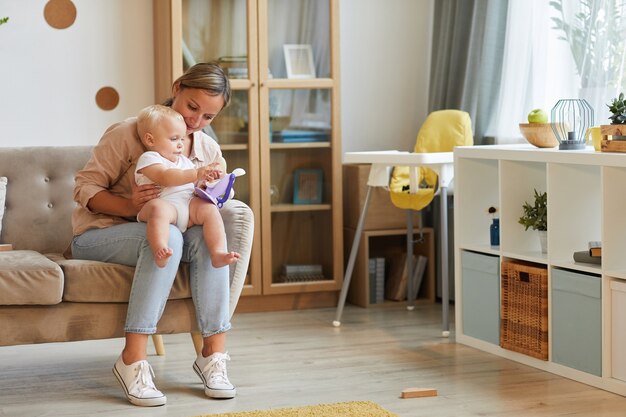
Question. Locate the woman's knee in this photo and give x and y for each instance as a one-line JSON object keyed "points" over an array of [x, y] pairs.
{"points": [[175, 240]]}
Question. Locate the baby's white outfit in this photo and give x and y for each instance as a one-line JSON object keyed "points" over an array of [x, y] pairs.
{"points": [[179, 195]]}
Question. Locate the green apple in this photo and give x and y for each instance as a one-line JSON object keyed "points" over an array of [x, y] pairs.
{"points": [[538, 116]]}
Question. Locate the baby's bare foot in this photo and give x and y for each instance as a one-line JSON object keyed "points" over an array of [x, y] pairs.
{"points": [[220, 259], [162, 256]]}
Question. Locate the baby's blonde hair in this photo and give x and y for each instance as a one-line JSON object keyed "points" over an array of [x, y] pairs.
{"points": [[150, 116]]}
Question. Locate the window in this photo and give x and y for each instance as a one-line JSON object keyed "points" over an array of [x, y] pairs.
{"points": [[558, 49]]}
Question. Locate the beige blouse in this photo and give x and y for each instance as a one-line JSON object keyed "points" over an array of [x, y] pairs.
{"points": [[112, 167]]}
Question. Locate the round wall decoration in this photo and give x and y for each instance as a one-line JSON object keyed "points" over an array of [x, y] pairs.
{"points": [[107, 98], [60, 14]]}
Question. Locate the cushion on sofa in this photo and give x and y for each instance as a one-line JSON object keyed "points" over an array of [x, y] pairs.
{"points": [[29, 278], [102, 282]]}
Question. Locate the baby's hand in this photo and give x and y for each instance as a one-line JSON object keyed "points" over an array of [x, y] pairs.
{"points": [[201, 174], [209, 173], [213, 172]]}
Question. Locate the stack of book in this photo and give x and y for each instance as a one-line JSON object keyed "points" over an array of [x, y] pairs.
{"points": [[593, 255], [377, 280], [234, 66], [302, 273]]}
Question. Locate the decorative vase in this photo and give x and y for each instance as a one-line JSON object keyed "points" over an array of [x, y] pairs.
{"points": [[494, 232], [543, 240]]}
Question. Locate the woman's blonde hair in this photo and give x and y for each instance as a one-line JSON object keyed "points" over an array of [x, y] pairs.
{"points": [[207, 76]]}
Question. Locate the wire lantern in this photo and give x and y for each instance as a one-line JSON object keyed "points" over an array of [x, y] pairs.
{"points": [[570, 120]]}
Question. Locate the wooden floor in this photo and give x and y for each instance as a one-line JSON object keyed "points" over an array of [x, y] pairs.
{"points": [[297, 358]]}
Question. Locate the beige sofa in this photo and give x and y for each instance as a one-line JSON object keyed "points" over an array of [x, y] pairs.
{"points": [[47, 298]]}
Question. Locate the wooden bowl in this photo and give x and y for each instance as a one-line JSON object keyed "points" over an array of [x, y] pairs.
{"points": [[539, 134]]}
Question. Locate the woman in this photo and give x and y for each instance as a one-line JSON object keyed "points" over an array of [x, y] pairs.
{"points": [[105, 230]]}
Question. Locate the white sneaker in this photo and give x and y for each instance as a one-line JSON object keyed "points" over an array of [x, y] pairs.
{"points": [[136, 379], [212, 372]]}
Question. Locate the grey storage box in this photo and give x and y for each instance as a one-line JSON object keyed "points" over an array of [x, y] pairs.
{"points": [[577, 320], [481, 296]]}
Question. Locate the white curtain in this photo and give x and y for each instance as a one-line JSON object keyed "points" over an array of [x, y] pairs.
{"points": [[537, 69], [557, 49]]}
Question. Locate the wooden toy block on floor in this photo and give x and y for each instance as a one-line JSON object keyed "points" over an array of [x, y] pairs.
{"points": [[418, 392], [5, 247]]}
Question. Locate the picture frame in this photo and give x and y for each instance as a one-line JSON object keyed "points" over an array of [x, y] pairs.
{"points": [[299, 61], [307, 186]]}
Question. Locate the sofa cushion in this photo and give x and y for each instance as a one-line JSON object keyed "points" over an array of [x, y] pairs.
{"points": [[102, 282], [29, 278]]}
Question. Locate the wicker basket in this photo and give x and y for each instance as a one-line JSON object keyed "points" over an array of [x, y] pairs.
{"points": [[524, 309]]}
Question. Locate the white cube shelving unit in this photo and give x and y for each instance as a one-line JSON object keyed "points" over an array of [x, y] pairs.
{"points": [[586, 202]]}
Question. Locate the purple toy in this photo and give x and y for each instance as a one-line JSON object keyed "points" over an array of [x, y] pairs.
{"points": [[219, 193]]}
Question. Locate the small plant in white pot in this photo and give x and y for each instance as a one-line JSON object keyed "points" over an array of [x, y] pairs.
{"points": [[536, 217]]}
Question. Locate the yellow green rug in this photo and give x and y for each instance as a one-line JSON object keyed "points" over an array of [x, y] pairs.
{"points": [[349, 409]]}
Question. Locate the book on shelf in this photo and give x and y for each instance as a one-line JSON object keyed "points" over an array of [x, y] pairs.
{"points": [[302, 273], [234, 66], [418, 274], [396, 288], [380, 280], [595, 248], [585, 257], [396, 283], [377, 280], [302, 268]]}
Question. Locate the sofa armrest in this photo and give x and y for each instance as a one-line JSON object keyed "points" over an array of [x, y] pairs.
{"points": [[239, 226]]}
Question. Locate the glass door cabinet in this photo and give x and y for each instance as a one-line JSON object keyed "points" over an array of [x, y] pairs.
{"points": [[282, 126]]}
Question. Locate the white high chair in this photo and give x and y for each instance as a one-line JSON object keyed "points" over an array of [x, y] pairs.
{"points": [[430, 165]]}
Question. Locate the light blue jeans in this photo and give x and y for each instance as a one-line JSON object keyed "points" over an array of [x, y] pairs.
{"points": [[126, 244]]}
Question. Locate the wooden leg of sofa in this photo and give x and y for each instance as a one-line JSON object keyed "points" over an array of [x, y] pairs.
{"points": [[157, 339], [197, 341]]}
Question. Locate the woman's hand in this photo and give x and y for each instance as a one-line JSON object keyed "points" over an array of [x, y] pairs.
{"points": [[142, 194]]}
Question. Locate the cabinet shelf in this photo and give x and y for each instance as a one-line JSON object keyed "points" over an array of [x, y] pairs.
{"points": [[282, 83], [391, 245], [589, 268], [234, 147], [284, 208], [301, 145], [530, 256], [240, 84], [488, 249], [616, 274]]}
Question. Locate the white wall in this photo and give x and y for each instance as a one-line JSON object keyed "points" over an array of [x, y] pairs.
{"points": [[49, 77], [385, 66]]}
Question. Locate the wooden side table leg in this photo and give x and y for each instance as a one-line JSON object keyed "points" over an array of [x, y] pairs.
{"points": [[196, 337], [157, 339]]}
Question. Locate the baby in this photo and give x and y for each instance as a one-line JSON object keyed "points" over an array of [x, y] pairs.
{"points": [[162, 131]]}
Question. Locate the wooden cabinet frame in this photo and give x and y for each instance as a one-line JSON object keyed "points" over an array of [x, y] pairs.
{"points": [[168, 35]]}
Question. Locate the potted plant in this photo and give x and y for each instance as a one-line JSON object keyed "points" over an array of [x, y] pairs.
{"points": [[617, 128], [536, 217], [618, 110]]}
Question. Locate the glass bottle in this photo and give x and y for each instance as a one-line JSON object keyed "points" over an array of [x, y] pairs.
{"points": [[494, 232]]}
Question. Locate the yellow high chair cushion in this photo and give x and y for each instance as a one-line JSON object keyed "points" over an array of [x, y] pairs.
{"points": [[399, 188], [441, 132]]}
